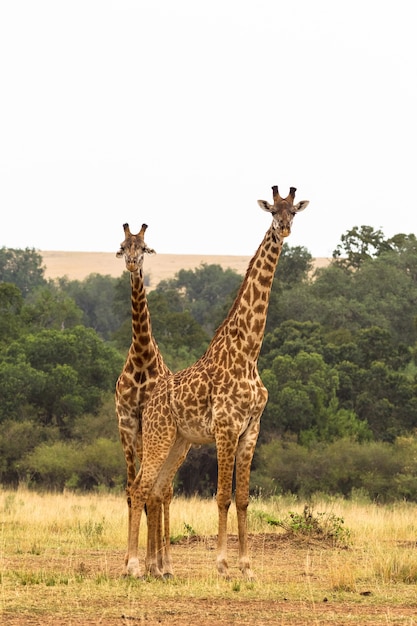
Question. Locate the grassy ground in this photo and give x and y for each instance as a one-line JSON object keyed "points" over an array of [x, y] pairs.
{"points": [[61, 562]]}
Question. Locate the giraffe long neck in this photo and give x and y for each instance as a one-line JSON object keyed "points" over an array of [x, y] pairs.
{"points": [[142, 338], [247, 316]]}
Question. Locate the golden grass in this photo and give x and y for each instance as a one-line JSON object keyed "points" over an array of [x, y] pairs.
{"points": [[78, 265], [61, 561]]}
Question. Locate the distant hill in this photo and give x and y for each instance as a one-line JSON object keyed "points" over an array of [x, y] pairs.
{"points": [[78, 265]]}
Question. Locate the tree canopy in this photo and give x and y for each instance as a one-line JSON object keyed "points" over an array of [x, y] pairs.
{"points": [[338, 360]]}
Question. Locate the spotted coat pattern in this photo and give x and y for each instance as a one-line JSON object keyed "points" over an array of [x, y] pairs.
{"points": [[218, 399], [144, 365]]}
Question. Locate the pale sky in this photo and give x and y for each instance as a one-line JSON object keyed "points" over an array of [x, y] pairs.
{"points": [[182, 113]]}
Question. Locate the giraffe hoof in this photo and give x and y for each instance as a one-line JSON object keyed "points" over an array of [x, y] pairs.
{"points": [[249, 576], [155, 572], [133, 569], [222, 568], [168, 575]]}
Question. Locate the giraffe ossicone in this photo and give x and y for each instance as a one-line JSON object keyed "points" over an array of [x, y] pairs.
{"points": [[220, 399]]}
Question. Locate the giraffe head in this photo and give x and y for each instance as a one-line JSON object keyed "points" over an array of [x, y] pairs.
{"points": [[133, 248], [283, 209]]}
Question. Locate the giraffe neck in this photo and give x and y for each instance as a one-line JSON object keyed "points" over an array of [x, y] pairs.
{"points": [[245, 323], [142, 338]]}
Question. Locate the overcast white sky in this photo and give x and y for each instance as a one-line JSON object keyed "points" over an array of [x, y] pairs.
{"points": [[182, 113]]}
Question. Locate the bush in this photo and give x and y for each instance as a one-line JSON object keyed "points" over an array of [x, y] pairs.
{"points": [[65, 465], [379, 470]]}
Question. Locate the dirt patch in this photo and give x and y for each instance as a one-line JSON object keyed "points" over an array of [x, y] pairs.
{"points": [[293, 587]]}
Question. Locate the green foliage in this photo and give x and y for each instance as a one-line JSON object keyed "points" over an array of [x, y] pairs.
{"points": [[188, 532], [50, 308], [322, 526], [17, 440], [303, 401], [23, 268], [384, 472], [11, 302], [339, 359], [181, 339], [295, 265], [291, 277], [61, 373], [66, 464], [359, 245], [95, 296], [206, 292]]}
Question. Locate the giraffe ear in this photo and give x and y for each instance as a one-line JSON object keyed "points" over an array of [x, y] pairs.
{"points": [[149, 250], [119, 253], [265, 206], [301, 206]]}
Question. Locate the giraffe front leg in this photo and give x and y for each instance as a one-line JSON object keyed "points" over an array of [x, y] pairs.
{"points": [[223, 505], [244, 457], [130, 481], [175, 458], [154, 556], [137, 505], [226, 451], [167, 561], [129, 522]]}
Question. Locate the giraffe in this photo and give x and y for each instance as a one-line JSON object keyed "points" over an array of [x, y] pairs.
{"points": [[220, 398], [143, 366]]}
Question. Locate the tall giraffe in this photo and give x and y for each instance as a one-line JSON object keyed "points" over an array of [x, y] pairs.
{"points": [[144, 365], [220, 398]]}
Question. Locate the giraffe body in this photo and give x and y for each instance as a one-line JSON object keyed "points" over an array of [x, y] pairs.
{"points": [[220, 398], [144, 365]]}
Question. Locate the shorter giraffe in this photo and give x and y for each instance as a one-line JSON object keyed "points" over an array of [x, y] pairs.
{"points": [[218, 399], [144, 365]]}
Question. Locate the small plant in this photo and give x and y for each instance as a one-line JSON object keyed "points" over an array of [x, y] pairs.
{"points": [[91, 530], [326, 526], [188, 532], [265, 517]]}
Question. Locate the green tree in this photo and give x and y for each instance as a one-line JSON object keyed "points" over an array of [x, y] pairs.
{"points": [[288, 293], [295, 265], [50, 308], [17, 440], [95, 296], [23, 268], [60, 374], [303, 401], [359, 245], [206, 292], [290, 338], [11, 302]]}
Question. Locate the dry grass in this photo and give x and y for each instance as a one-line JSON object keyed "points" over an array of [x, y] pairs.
{"points": [[62, 559], [78, 265]]}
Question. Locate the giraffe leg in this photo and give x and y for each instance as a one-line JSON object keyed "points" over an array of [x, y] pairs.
{"points": [[129, 436], [244, 455], [154, 553], [226, 450], [175, 458], [155, 451], [166, 560]]}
